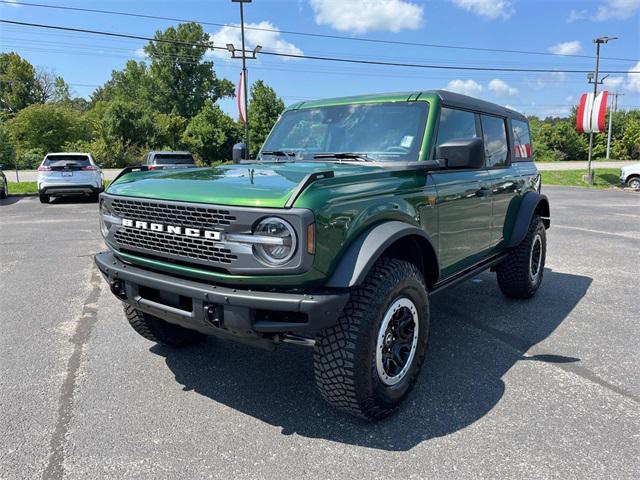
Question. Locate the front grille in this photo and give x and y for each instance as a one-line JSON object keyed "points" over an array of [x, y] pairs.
{"points": [[184, 247], [179, 215]]}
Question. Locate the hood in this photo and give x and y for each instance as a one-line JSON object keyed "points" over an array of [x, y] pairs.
{"points": [[249, 185]]}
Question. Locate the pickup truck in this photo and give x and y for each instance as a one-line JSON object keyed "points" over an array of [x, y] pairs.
{"points": [[356, 211]]}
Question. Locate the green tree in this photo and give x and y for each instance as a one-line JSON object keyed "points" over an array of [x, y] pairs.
{"points": [[18, 84], [264, 108], [126, 122], [45, 128], [182, 79], [7, 150], [168, 131], [212, 133], [133, 82]]}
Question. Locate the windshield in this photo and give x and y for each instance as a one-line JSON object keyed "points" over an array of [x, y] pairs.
{"points": [[173, 159], [382, 131]]}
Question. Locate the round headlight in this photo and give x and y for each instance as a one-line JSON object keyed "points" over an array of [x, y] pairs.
{"points": [[283, 246]]}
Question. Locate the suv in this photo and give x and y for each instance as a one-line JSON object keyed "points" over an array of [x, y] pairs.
{"points": [[157, 160], [630, 176], [356, 211], [69, 174]]}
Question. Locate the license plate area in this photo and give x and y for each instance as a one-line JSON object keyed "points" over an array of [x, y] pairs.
{"points": [[67, 174]]}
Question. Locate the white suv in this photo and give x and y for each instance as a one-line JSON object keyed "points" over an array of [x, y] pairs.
{"points": [[67, 173], [630, 175]]}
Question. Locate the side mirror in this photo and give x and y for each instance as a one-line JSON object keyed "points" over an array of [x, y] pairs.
{"points": [[239, 152], [462, 153]]}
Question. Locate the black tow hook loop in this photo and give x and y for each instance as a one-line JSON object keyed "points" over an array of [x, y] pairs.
{"points": [[213, 314], [117, 288]]}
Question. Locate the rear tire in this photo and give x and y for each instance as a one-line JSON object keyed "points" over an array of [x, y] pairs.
{"points": [[367, 364], [157, 330], [44, 198], [520, 274], [4, 193], [634, 183]]}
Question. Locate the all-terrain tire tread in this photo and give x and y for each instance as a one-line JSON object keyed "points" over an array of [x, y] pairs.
{"points": [[335, 354], [513, 272]]}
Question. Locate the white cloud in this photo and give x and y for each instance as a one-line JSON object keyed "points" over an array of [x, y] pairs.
{"points": [[613, 82], [268, 37], [502, 88], [576, 15], [634, 79], [465, 87], [617, 9], [140, 53], [487, 8], [362, 16], [569, 98], [566, 48]]}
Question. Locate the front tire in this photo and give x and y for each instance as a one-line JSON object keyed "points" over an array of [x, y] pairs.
{"points": [[520, 274], [157, 330], [44, 198], [634, 183], [4, 193], [367, 364]]}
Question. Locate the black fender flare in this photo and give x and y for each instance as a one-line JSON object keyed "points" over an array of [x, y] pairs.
{"points": [[531, 202], [367, 248]]}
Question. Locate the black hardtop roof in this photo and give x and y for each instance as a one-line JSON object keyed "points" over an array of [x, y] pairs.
{"points": [[458, 100]]}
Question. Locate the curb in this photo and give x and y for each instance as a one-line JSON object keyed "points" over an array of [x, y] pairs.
{"points": [[22, 195]]}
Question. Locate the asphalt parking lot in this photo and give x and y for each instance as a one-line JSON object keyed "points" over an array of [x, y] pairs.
{"points": [[547, 388]]}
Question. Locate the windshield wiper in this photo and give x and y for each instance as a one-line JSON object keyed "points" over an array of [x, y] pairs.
{"points": [[278, 153], [360, 157]]}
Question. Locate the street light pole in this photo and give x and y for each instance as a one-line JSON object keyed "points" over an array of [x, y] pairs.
{"points": [[612, 112], [245, 81], [598, 41]]}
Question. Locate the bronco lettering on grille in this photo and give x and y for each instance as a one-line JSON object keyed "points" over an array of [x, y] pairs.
{"points": [[172, 229]]}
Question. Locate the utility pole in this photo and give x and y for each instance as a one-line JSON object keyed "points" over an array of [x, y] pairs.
{"points": [[612, 112], [252, 56], [598, 41]]}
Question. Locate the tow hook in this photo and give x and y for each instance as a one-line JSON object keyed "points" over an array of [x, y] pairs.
{"points": [[213, 314], [117, 288]]}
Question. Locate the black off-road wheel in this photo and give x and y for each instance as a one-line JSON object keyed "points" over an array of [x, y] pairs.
{"points": [[520, 274], [44, 198], [368, 363], [157, 330]]}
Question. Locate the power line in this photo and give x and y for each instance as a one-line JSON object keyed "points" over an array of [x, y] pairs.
{"points": [[316, 35], [315, 57]]}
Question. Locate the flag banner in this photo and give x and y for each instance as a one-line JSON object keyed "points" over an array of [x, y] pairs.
{"points": [[598, 112], [241, 109], [591, 113]]}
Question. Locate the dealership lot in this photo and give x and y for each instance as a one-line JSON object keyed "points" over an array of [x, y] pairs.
{"points": [[544, 388]]}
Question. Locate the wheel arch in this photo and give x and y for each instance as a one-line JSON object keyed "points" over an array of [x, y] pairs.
{"points": [[392, 239], [533, 203]]}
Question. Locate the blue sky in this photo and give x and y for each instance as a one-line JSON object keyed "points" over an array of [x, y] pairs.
{"points": [[560, 26]]}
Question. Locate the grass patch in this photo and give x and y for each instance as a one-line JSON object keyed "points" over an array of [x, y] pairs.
{"points": [[32, 187], [22, 187], [604, 178]]}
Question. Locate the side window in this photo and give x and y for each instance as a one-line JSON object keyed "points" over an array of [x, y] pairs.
{"points": [[496, 151], [456, 124], [522, 139]]}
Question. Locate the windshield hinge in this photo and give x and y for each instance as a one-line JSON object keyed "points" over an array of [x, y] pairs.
{"points": [[305, 182]]}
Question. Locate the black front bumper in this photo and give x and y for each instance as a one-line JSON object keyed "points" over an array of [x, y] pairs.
{"points": [[217, 310]]}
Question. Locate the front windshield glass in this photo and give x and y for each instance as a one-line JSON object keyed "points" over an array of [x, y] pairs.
{"points": [[381, 131]]}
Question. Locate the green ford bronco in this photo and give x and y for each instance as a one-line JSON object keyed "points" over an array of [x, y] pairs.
{"points": [[355, 212]]}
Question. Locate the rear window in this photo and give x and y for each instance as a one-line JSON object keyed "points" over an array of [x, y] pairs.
{"points": [[522, 140], [81, 160], [173, 159]]}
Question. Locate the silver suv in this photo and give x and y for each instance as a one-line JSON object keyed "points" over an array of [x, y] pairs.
{"points": [[68, 173], [157, 160]]}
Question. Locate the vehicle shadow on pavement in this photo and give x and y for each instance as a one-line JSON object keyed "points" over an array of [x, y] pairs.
{"points": [[477, 336]]}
